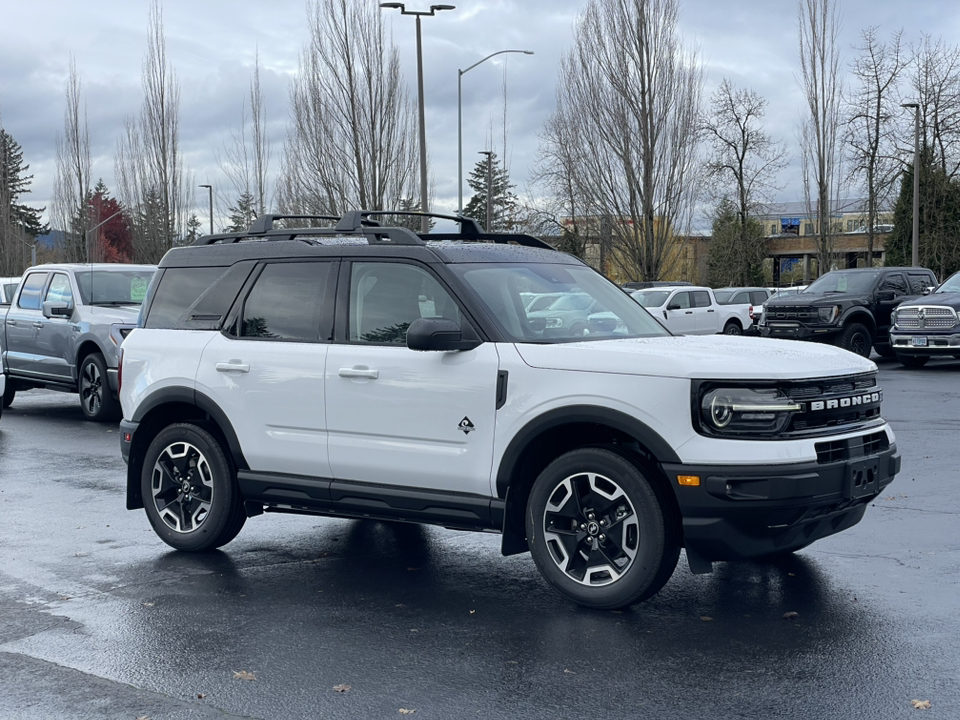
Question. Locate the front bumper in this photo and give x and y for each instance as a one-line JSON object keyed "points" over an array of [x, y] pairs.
{"points": [[748, 511], [925, 342], [799, 331]]}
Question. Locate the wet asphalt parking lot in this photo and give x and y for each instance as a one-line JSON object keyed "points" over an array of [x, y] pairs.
{"points": [[304, 617]]}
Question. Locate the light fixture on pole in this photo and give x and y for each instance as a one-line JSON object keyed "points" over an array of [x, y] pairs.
{"points": [[489, 155], [915, 251], [424, 221], [460, 74], [210, 193]]}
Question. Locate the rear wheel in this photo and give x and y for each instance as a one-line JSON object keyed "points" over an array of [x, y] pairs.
{"points": [[885, 351], [96, 399], [856, 338], [732, 328], [913, 361], [599, 530], [189, 489], [8, 394]]}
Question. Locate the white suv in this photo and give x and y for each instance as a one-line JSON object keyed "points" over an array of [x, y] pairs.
{"points": [[365, 371]]}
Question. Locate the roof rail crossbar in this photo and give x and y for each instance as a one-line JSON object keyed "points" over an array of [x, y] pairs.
{"points": [[469, 229], [264, 223]]}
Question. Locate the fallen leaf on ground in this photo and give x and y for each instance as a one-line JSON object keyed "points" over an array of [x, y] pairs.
{"points": [[341, 687], [473, 612], [201, 696], [405, 711], [791, 615], [143, 717], [706, 618], [412, 569], [920, 704], [243, 675], [569, 672], [149, 604]]}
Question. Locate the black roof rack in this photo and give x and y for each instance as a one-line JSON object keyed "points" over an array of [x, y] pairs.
{"points": [[360, 221]]}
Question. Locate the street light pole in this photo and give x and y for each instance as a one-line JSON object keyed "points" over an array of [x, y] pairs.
{"points": [[460, 74], [424, 220], [489, 155], [915, 252], [210, 193]]}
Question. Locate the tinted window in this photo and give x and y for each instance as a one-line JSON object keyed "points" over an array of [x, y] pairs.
{"points": [[59, 290], [681, 300], [179, 288], [385, 298], [758, 297], [722, 296], [701, 298], [919, 283], [32, 287], [286, 302], [895, 283], [951, 284], [742, 299], [844, 281], [651, 298]]}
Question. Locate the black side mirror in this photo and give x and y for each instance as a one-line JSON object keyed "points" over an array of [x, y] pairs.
{"points": [[53, 308], [673, 306], [438, 334], [885, 295]]}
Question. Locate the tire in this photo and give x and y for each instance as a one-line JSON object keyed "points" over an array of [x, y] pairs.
{"points": [[9, 392], [190, 490], [885, 351], [913, 361], [96, 399], [732, 328], [590, 491], [578, 329], [856, 338]]}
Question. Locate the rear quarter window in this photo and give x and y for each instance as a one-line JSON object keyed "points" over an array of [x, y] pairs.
{"points": [[195, 298]]}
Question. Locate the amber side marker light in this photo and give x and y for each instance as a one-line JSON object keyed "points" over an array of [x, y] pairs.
{"points": [[689, 480]]}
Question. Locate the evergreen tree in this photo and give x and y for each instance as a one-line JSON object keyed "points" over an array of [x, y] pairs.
{"points": [[410, 222], [243, 213], [736, 248], [19, 223], [194, 229], [503, 201], [939, 241]]}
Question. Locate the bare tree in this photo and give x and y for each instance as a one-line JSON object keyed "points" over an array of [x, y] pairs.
{"points": [[744, 163], [246, 158], [872, 110], [819, 132], [148, 164], [626, 129], [351, 140], [936, 82], [71, 190]]}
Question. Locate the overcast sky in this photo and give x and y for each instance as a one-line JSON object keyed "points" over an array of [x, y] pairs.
{"points": [[212, 44]]}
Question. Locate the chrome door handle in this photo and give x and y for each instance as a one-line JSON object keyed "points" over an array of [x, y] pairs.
{"points": [[38, 324], [359, 372], [233, 366], [11, 322]]}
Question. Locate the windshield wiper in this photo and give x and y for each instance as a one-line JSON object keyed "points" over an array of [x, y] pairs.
{"points": [[114, 303]]}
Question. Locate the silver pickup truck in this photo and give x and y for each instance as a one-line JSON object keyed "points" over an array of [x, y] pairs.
{"points": [[63, 330]]}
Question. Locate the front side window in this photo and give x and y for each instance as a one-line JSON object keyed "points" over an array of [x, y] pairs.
{"points": [[286, 302], [59, 290], [32, 287], [680, 301], [587, 305], [386, 298], [895, 283]]}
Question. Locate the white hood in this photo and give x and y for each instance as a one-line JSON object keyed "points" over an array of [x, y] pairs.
{"points": [[711, 356]]}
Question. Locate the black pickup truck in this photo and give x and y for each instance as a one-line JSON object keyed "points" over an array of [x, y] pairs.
{"points": [[847, 308]]}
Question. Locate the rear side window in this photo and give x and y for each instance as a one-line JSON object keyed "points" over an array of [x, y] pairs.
{"points": [[32, 288], [919, 283], [701, 298], [759, 297], [178, 290], [286, 302]]}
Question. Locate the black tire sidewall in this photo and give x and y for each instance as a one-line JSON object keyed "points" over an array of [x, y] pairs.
{"points": [[9, 393], [851, 331], [109, 405], [646, 567], [225, 517], [732, 324]]}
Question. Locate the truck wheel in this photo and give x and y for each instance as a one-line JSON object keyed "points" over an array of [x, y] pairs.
{"points": [[189, 490], [856, 338], [913, 361], [8, 394], [599, 531], [885, 351], [96, 400], [732, 328]]}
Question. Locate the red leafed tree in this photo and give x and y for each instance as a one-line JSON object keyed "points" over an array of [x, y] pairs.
{"points": [[113, 243]]}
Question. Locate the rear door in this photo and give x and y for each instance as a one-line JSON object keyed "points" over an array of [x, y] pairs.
{"points": [[707, 319], [23, 323]]}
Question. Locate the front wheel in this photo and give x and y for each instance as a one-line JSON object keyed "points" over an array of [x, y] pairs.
{"points": [[189, 490], [96, 399], [856, 338], [913, 361], [599, 531]]}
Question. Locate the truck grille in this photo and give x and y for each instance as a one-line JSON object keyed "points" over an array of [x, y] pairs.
{"points": [[801, 313], [837, 450], [834, 404], [926, 316]]}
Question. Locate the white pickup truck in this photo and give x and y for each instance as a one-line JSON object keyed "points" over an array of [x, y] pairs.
{"points": [[691, 310]]}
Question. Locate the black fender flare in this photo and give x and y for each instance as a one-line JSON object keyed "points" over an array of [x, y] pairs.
{"points": [[662, 451], [859, 314]]}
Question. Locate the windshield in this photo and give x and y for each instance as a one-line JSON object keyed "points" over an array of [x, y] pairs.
{"points": [[842, 281], [113, 287], [651, 298], [951, 284], [587, 305]]}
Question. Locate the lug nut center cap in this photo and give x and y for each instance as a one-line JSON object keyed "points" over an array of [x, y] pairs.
{"points": [[593, 528]]}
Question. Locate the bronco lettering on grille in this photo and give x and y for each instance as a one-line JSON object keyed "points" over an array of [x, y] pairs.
{"points": [[845, 402]]}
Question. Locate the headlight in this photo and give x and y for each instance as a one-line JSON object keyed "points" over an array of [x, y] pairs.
{"points": [[745, 411], [554, 322], [828, 314], [893, 317]]}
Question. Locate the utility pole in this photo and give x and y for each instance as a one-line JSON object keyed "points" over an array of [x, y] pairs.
{"points": [[489, 155]]}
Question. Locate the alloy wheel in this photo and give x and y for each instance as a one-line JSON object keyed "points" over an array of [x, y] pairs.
{"points": [[91, 388], [182, 487]]}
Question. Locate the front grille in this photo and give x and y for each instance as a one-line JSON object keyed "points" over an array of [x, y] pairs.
{"points": [[810, 390], [801, 313], [932, 317], [863, 446], [834, 403]]}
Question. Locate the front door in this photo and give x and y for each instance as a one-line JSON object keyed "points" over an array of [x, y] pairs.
{"points": [[680, 319], [55, 335], [397, 416]]}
